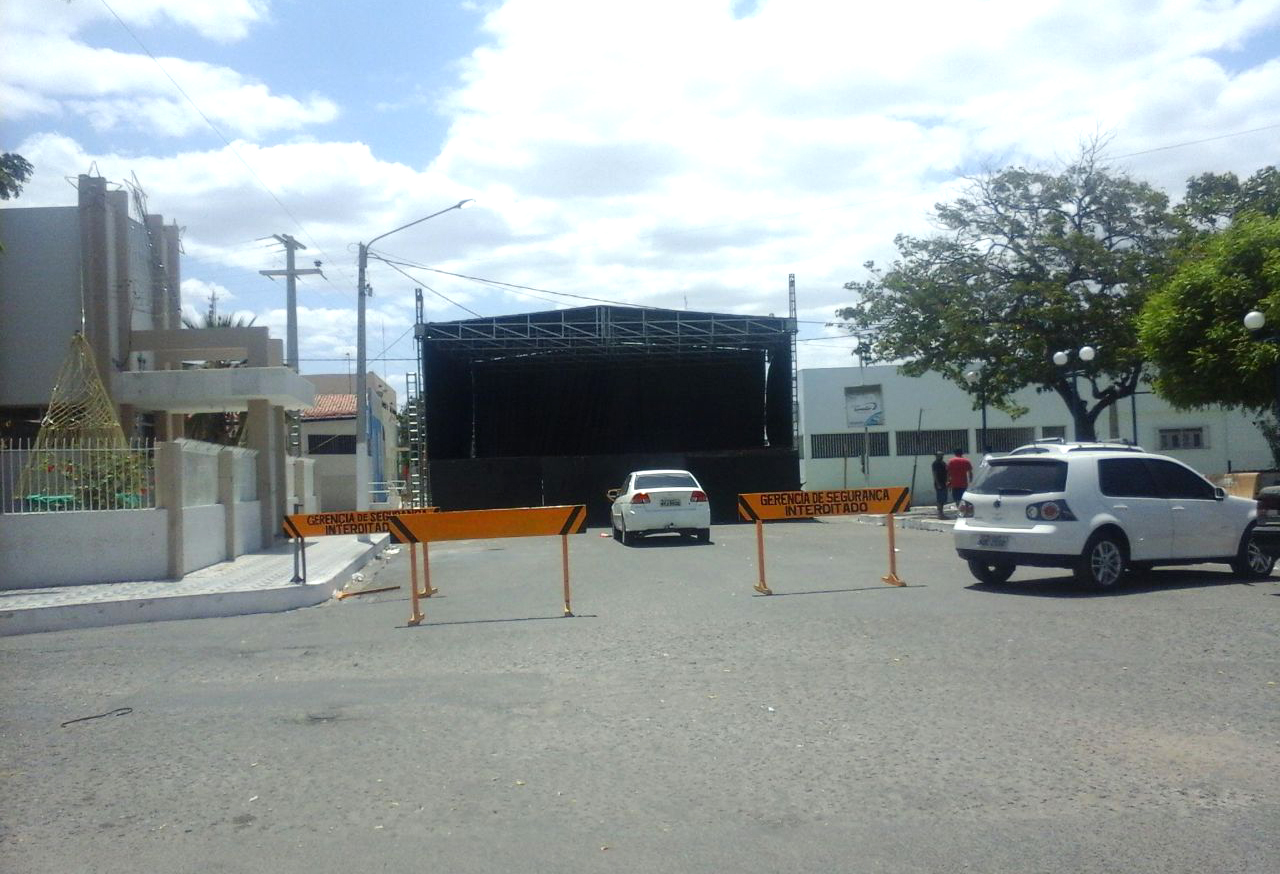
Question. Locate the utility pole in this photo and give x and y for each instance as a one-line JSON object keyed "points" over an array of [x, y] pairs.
{"points": [[291, 274]]}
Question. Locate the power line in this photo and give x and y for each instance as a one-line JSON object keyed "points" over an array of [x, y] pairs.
{"points": [[1240, 133], [344, 358], [393, 266], [213, 127], [511, 285]]}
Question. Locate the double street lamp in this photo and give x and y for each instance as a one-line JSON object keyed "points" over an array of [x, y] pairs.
{"points": [[1062, 359], [362, 394]]}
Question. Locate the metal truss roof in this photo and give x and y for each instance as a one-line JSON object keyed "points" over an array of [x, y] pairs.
{"points": [[606, 331]]}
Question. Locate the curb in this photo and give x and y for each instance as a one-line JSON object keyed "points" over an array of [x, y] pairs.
{"points": [[203, 605]]}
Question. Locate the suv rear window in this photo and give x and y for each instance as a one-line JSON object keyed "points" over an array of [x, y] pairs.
{"points": [[666, 481], [1020, 476]]}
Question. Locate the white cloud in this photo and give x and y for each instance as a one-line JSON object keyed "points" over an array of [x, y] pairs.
{"points": [[665, 154], [51, 74], [221, 20]]}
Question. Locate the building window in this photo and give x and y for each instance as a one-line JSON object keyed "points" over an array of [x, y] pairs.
{"points": [[1053, 432], [331, 444], [848, 445], [1181, 438], [929, 442], [1007, 439]]}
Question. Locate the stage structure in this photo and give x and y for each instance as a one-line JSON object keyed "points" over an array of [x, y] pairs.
{"points": [[556, 407]]}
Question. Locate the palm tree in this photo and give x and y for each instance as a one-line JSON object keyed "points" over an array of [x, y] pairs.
{"points": [[226, 429]]}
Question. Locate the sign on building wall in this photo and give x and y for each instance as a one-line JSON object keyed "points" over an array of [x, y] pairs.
{"points": [[864, 406]]}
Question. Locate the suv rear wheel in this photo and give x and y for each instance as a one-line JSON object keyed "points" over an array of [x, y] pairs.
{"points": [[1103, 561], [989, 572], [1251, 562]]}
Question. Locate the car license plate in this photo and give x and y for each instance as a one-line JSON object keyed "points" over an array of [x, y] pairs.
{"points": [[993, 541], [669, 502]]}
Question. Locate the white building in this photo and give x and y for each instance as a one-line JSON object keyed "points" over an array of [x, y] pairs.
{"points": [[872, 426]]}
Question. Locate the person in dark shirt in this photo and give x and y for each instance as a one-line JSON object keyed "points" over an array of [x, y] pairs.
{"points": [[939, 482], [959, 474]]}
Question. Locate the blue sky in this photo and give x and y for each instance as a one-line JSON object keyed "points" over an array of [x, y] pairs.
{"points": [[684, 153]]}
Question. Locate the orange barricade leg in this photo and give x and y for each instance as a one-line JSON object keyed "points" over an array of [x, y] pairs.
{"points": [[416, 615], [564, 560], [761, 587], [892, 579], [427, 589]]}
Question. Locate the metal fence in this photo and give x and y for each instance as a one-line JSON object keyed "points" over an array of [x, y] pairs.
{"points": [[79, 475]]}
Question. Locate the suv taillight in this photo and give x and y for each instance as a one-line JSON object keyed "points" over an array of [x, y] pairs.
{"points": [[965, 510], [1050, 511], [640, 498], [698, 497]]}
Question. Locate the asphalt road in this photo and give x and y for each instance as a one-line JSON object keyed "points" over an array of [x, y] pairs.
{"points": [[679, 723]]}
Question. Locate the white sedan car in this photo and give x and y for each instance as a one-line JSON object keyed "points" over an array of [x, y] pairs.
{"points": [[653, 501]]}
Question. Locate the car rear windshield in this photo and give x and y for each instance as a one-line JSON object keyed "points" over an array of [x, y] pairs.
{"points": [[1020, 476], [666, 481]]}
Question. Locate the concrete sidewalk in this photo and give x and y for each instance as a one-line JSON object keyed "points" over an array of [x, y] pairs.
{"points": [[258, 582]]}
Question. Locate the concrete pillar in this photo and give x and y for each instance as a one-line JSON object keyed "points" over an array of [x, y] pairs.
{"points": [[227, 498], [266, 435], [96, 275], [170, 498]]}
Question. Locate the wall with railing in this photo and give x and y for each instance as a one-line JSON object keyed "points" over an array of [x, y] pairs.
{"points": [[61, 475], [72, 515]]}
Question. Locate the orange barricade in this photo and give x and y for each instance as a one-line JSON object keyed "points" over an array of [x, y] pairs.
{"points": [[299, 526], [479, 525], [344, 522], [759, 507]]}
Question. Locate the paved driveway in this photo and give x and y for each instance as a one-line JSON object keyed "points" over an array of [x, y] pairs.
{"points": [[679, 723]]}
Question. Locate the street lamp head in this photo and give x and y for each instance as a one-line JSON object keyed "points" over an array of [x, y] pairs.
{"points": [[1087, 353], [1254, 320], [1061, 358], [972, 376], [464, 204]]}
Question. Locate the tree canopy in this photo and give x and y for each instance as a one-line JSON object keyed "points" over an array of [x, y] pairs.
{"points": [[14, 170], [1192, 329], [1029, 263]]}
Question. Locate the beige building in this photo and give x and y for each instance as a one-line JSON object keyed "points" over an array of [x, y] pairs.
{"points": [[329, 438]]}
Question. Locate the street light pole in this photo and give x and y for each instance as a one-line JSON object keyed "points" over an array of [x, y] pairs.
{"points": [[980, 377], [1062, 359], [362, 392]]}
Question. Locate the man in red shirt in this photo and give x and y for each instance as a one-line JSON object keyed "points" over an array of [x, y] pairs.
{"points": [[959, 475]]}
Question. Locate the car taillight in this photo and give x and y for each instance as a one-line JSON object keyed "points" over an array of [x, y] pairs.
{"points": [[698, 497], [965, 509], [639, 498], [1050, 511]]}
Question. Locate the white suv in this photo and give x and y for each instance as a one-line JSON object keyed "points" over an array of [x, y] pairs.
{"points": [[1098, 509]]}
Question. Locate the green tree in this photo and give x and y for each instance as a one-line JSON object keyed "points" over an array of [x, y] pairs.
{"points": [[14, 171], [1029, 263], [1192, 329], [1214, 199]]}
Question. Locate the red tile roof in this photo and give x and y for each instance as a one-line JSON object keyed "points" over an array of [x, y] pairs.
{"points": [[332, 407]]}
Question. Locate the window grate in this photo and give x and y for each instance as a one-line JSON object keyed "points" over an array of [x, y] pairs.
{"points": [[929, 442], [1008, 439], [331, 444], [848, 445]]}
